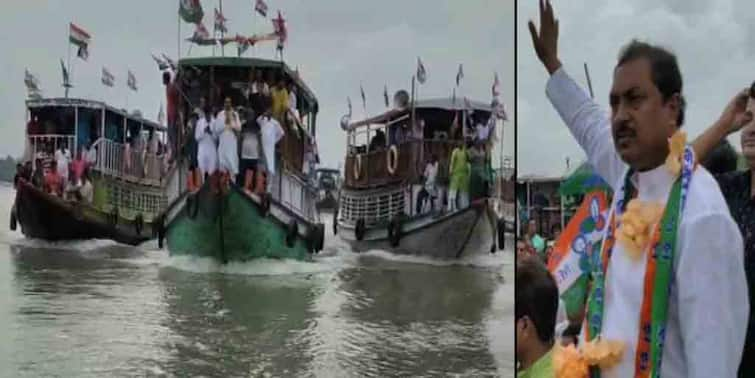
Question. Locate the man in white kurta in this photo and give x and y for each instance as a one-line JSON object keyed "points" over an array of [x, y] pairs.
{"points": [[271, 132], [207, 152], [227, 125], [708, 304]]}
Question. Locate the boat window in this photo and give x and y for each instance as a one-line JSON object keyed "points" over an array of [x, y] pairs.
{"points": [[88, 127], [114, 127], [57, 120]]}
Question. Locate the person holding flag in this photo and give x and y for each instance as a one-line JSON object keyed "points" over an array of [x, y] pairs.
{"points": [[668, 294]]}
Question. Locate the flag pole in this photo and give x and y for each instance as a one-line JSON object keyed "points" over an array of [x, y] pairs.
{"points": [[67, 85], [178, 40], [589, 83], [222, 33]]}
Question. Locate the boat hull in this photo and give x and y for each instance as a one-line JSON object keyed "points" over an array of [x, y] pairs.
{"points": [[43, 216], [233, 227], [449, 236]]}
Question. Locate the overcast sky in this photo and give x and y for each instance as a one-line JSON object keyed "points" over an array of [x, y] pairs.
{"points": [[337, 44], [714, 41]]}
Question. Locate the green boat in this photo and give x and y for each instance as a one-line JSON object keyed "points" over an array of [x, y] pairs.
{"points": [[232, 223]]}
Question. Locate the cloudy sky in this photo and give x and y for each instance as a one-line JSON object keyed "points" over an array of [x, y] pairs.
{"points": [[714, 42], [337, 45]]}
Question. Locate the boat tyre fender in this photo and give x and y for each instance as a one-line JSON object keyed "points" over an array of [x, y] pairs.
{"points": [[192, 206], [138, 224], [265, 204], [357, 166], [291, 231], [13, 220], [394, 232], [159, 226], [392, 160], [360, 230]]}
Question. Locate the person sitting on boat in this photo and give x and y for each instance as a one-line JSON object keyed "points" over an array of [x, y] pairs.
{"points": [[78, 165], [378, 141], [86, 190], [53, 181], [272, 133], [459, 173], [207, 153], [428, 191], [250, 151], [227, 124], [280, 100]]}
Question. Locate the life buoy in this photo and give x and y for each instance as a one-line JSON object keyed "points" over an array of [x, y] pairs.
{"points": [[265, 204], [291, 232], [139, 224], [357, 166], [360, 230], [192, 206], [394, 232], [13, 220], [392, 159]]}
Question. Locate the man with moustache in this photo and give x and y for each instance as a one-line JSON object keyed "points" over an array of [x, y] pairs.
{"points": [[677, 302], [738, 187]]}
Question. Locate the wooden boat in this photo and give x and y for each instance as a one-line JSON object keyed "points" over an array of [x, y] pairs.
{"points": [[225, 221], [378, 201], [127, 197], [328, 184]]}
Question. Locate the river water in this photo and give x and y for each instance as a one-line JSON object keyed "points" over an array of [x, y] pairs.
{"points": [[100, 309]]}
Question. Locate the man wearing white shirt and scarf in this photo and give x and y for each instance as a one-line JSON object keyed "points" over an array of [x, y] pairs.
{"points": [[668, 284]]}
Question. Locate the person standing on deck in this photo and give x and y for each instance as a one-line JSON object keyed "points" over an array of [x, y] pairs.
{"points": [[272, 133], [227, 124], [53, 181], [62, 158], [207, 152], [458, 190], [428, 191], [688, 316], [280, 100], [250, 152]]}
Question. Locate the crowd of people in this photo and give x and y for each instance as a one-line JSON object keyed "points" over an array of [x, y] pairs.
{"points": [[55, 172]]}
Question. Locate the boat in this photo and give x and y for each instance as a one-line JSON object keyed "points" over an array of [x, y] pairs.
{"points": [[328, 184], [127, 197], [378, 200], [230, 222]]}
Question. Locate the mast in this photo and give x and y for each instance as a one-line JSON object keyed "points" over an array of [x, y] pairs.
{"points": [[222, 33]]}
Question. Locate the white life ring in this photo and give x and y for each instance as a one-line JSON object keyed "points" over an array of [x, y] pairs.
{"points": [[357, 166], [392, 157]]}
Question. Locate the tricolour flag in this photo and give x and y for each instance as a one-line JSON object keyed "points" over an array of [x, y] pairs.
{"points": [[80, 38], [220, 22], [459, 75], [190, 11], [496, 86], [570, 260], [66, 77], [279, 25], [131, 82], [200, 32], [31, 82], [421, 73], [385, 97], [170, 62], [107, 78], [261, 8]]}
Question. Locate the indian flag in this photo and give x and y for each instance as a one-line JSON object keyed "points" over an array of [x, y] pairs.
{"points": [[80, 38], [570, 260]]}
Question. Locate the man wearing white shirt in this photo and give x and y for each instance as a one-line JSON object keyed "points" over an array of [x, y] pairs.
{"points": [[271, 132], [707, 302], [207, 153]]}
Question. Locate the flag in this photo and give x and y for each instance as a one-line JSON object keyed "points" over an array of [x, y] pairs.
{"points": [[498, 109], [261, 8], [107, 78], [220, 22], [162, 65], [200, 32], [496, 86], [569, 262], [364, 98], [80, 38], [31, 82], [131, 81], [161, 116], [190, 11], [421, 73], [279, 25], [170, 62], [385, 97], [66, 78], [242, 45], [459, 75]]}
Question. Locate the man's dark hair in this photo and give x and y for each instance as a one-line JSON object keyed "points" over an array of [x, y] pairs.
{"points": [[664, 70], [166, 78], [536, 296], [722, 159]]}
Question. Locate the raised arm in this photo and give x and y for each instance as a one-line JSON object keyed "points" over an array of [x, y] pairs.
{"points": [[733, 118]]}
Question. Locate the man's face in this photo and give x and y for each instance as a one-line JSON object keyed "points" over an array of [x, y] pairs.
{"points": [[747, 137], [532, 227], [202, 103], [228, 104], [641, 121]]}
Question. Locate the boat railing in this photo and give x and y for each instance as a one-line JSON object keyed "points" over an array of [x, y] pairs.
{"points": [[135, 165], [42, 142], [375, 208], [296, 195]]}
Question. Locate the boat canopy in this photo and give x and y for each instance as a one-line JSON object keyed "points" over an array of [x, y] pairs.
{"points": [[90, 104], [442, 104]]}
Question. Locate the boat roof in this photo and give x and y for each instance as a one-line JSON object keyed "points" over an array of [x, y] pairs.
{"points": [[91, 104], [448, 104], [229, 61], [328, 170]]}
